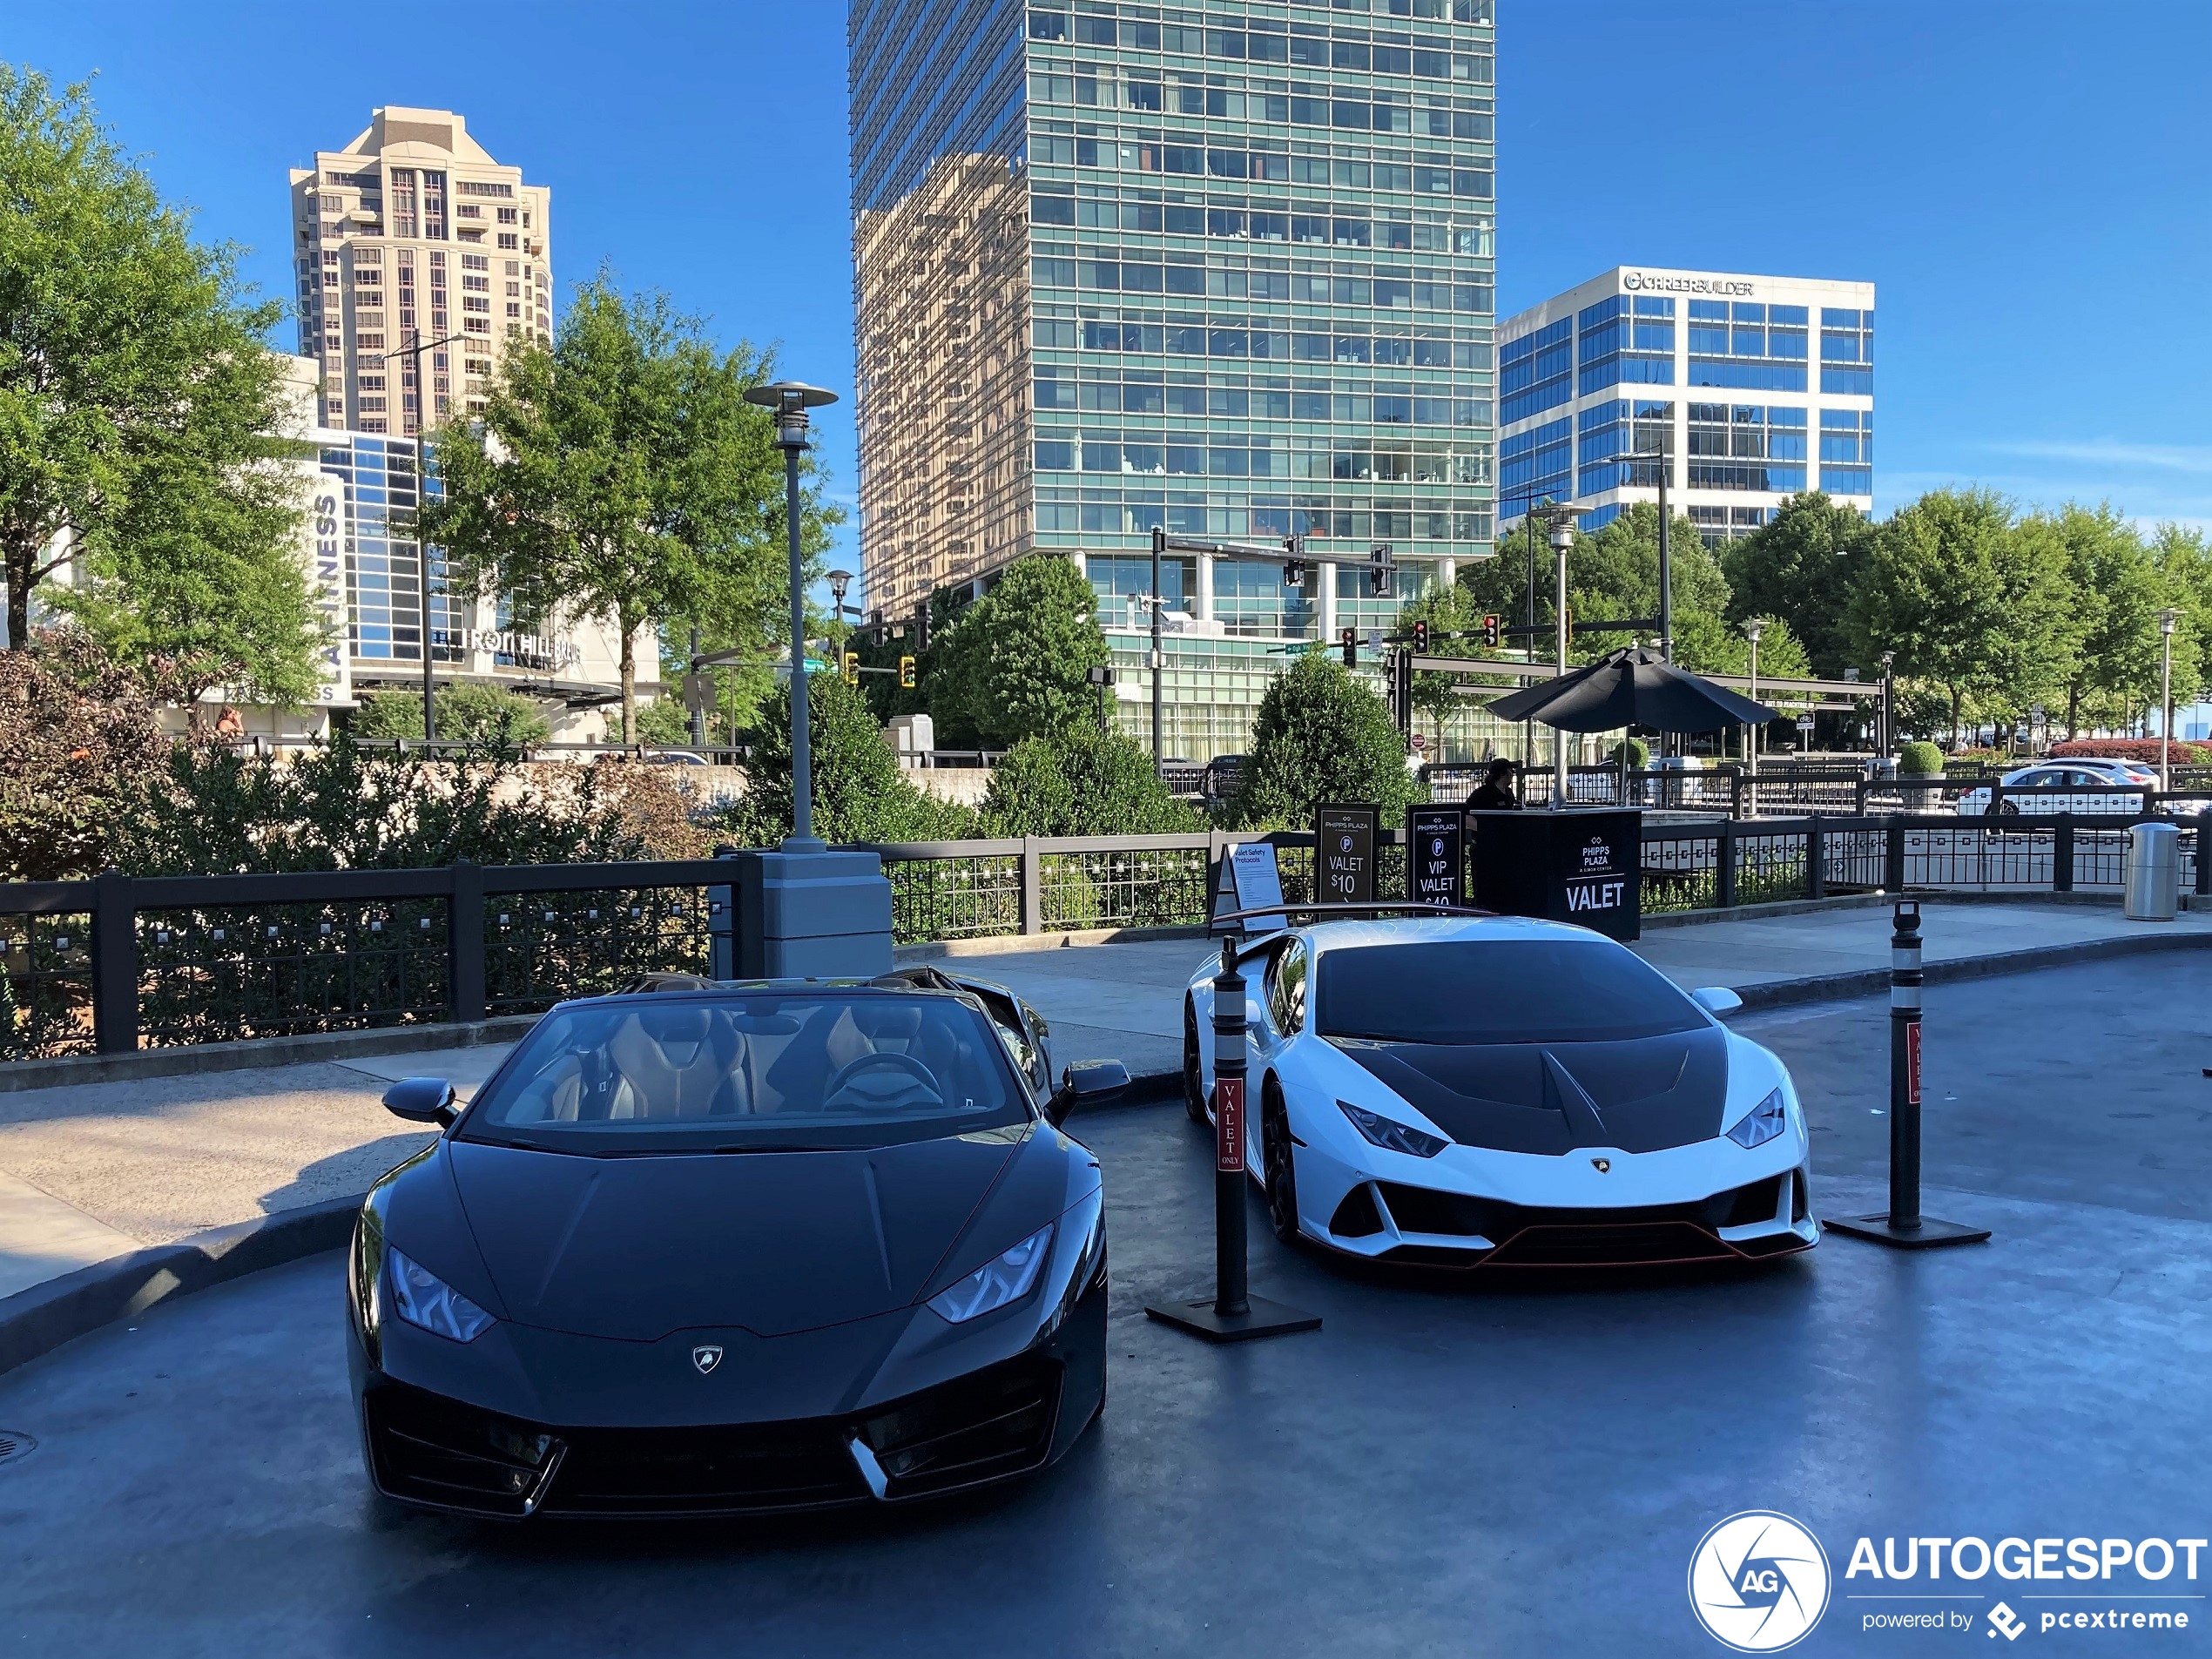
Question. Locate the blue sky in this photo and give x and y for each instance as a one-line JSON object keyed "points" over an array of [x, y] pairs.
{"points": [[2024, 180]]}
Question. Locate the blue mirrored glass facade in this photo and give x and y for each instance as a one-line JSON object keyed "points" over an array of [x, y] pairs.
{"points": [[1723, 376]]}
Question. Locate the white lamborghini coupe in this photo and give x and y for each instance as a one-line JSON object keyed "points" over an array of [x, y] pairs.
{"points": [[1460, 1092]]}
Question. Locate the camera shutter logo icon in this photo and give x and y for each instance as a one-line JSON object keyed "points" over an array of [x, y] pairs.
{"points": [[1759, 1582]]}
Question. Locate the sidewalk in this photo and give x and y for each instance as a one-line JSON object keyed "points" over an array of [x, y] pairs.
{"points": [[93, 1172]]}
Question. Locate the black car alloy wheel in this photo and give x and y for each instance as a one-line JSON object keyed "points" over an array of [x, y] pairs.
{"points": [[1194, 1090], [1275, 1148]]}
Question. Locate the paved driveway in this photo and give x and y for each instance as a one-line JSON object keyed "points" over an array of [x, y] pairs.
{"points": [[1446, 1468]]}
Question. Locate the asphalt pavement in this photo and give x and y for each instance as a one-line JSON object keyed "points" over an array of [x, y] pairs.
{"points": [[1449, 1466]]}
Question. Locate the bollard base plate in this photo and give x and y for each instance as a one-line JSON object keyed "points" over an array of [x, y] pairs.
{"points": [[1262, 1319], [1931, 1234]]}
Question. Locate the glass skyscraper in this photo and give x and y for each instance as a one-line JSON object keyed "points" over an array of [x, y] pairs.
{"points": [[1224, 269]]}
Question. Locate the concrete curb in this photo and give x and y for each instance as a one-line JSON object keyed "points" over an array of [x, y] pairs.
{"points": [[39, 1321], [310, 1048], [1873, 981]]}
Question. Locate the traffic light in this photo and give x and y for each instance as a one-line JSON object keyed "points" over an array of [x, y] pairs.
{"points": [[1293, 573], [905, 673], [1490, 630], [851, 667], [1380, 569], [1350, 640], [1421, 638], [921, 626]]}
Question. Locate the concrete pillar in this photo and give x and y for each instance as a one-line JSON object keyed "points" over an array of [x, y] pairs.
{"points": [[1448, 572], [1325, 602], [812, 915], [1201, 599]]}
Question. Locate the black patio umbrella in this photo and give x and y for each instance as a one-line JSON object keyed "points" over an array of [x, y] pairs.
{"points": [[1632, 686]]}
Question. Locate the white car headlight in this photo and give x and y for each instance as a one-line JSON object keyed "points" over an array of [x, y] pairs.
{"points": [[1003, 1279], [1390, 1135], [423, 1299], [1763, 1122]]}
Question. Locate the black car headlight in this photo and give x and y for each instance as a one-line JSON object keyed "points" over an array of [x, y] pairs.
{"points": [[423, 1299], [1763, 1122], [1006, 1277], [1390, 1135]]}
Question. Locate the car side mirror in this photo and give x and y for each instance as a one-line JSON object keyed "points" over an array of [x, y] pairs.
{"points": [[1085, 1083], [1716, 999], [422, 1100]]}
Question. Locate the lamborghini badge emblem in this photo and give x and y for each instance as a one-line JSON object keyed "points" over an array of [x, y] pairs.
{"points": [[1602, 1165], [706, 1356]]}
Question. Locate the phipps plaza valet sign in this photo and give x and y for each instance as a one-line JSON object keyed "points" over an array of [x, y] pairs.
{"points": [[1436, 859], [1654, 282], [1344, 854]]}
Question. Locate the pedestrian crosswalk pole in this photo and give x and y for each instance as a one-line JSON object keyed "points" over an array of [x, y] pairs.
{"points": [[1903, 1227], [1233, 1314]]}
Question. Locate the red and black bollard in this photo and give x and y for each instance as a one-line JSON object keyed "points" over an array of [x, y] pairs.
{"points": [[1904, 1226], [1233, 1314]]}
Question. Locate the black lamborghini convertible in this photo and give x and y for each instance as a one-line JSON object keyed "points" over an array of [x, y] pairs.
{"points": [[722, 1249]]}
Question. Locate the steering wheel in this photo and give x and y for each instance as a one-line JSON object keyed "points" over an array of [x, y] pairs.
{"points": [[881, 1060]]}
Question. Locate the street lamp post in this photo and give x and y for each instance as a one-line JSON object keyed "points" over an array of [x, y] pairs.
{"points": [[414, 350], [1889, 705], [1752, 630], [2166, 620], [838, 581], [1562, 519], [789, 401]]}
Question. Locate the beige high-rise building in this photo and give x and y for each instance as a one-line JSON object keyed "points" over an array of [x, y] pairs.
{"points": [[410, 233]]}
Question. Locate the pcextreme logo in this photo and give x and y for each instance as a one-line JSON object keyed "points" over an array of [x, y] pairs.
{"points": [[1758, 1582]]}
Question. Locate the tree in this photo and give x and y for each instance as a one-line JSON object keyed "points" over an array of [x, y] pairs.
{"points": [[1321, 735], [2183, 559], [2117, 591], [139, 406], [81, 736], [1967, 603], [483, 717], [1801, 567], [859, 793], [620, 477], [1079, 780], [1017, 663]]}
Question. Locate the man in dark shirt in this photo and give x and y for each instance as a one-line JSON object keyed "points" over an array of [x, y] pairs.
{"points": [[1496, 793]]}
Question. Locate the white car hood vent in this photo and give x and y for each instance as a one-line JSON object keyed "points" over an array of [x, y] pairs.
{"points": [[1639, 1095]]}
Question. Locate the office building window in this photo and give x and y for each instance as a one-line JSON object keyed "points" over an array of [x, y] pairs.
{"points": [[1847, 351], [1847, 452], [1736, 446]]}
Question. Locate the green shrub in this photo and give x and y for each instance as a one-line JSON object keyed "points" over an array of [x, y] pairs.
{"points": [[860, 793], [1081, 781], [1638, 752], [1321, 735], [484, 717], [1921, 759]]}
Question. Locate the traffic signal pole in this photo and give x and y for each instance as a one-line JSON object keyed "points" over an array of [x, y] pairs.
{"points": [[1289, 552]]}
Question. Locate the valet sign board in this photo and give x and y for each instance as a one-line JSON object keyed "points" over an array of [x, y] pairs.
{"points": [[1596, 884], [1344, 853], [1435, 855], [1250, 879]]}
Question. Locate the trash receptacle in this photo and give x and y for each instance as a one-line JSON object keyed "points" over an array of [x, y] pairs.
{"points": [[2151, 883]]}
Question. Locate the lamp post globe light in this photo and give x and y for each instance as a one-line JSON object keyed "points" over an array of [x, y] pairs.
{"points": [[838, 581], [789, 401], [2166, 618]]}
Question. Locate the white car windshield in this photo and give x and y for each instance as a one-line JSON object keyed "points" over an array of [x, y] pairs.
{"points": [[1498, 990], [748, 1072]]}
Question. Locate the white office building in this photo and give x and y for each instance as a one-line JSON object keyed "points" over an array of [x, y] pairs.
{"points": [[1754, 389]]}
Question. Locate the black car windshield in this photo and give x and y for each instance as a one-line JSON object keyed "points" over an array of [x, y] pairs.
{"points": [[1498, 990], [753, 1072]]}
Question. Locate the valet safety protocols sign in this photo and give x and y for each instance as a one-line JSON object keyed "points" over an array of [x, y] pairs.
{"points": [[1250, 879], [1435, 855], [1344, 854]]}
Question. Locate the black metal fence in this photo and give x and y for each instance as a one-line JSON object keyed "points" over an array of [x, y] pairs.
{"points": [[120, 963]]}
